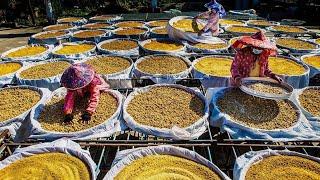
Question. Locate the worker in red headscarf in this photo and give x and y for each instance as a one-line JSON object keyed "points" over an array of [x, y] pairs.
{"points": [[80, 81], [214, 13], [251, 59]]}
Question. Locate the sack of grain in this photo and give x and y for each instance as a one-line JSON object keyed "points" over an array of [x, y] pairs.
{"points": [[95, 35], [159, 32], [119, 46], [167, 160], [219, 46], [248, 117], [50, 37], [32, 52], [292, 71], [8, 71], [44, 74], [162, 68], [213, 71], [17, 103], [270, 164], [167, 110], [74, 50], [138, 33], [161, 46], [313, 62], [46, 165], [104, 122], [116, 70]]}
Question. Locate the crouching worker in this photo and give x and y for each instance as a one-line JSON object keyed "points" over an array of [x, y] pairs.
{"points": [[251, 59], [214, 13], [80, 81]]}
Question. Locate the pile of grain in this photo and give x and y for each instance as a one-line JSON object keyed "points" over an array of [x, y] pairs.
{"points": [[96, 26], [46, 70], [294, 43], [130, 31], [188, 25], [313, 61], [165, 107], [47, 166], [131, 24], [120, 45], [260, 22], [109, 64], [163, 45], [162, 64], [242, 29], [69, 49], [58, 27], [166, 167], [52, 116], [310, 101], [89, 33], [284, 66], [103, 17], [290, 29], [265, 87], [50, 34], [158, 23], [27, 51], [211, 46], [160, 30], [227, 22], [15, 101], [257, 112], [215, 66], [284, 167], [9, 67], [69, 19]]}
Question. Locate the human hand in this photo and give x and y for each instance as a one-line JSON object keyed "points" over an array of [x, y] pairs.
{"points": [[237, 81], [200, 32], [68, 119], [86, 117], [278, 79]]}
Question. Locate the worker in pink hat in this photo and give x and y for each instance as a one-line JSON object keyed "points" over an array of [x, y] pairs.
{"points": [[214, 13], [251, 59], [81, 80]]}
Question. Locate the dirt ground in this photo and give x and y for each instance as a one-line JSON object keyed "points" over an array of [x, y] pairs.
{"points": [[11, 38]]}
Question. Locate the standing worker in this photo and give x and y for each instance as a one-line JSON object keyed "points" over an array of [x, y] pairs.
{"points": [[251, 59], [80, 81], [214, 13]]}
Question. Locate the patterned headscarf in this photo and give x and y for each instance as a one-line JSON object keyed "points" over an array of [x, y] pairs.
{"points": [[217, 7], [77, 76]]}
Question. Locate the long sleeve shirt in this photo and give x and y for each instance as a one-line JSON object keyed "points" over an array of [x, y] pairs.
{"points": [[93, 89], [213, 22], [245, 62]]}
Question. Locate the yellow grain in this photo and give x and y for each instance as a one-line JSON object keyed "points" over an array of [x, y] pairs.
{"points": [[120, 44], [188, 25], [291, 29], [27, 51], [108, 64], [47, 166], [215, 66], [160, 31], [283, 66], [49, 34], [160, 45], [313, 61], [242, 29], [7, 68], [226, 22], [158, 23], [295, 43], [166, 167], [58, 27], [260, 22], [211, 46], [89, 34], [130, 24], [96, 26], [45, 70], [69, 19], [74, 49], [130, 31]]}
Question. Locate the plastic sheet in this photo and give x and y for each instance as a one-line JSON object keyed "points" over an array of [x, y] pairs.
{"points": [[126, 53], [62, 146], [76, 56], [209, 80], [250, 158], [52, 83], [14, 123], [193, 131], [105, 129], [300, 130], [95, 39], [50, 41], [9, 78], [38, 57], [126, 157], [162, 78], [145, 51]]}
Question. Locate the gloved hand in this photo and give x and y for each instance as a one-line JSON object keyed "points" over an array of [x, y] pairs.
{"points": [[68, 118], [237, 81], [86, 116]]}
